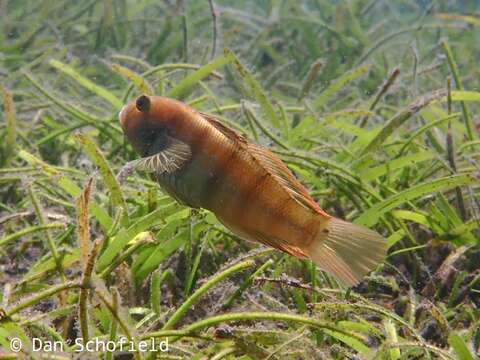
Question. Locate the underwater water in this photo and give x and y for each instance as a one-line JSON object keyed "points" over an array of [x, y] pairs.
{"points": [[126, 239]]}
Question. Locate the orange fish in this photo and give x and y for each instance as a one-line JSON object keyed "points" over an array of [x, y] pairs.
{"points": [[204, 164]]}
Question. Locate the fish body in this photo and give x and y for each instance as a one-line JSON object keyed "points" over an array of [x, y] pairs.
{"points": [[204, 164]]}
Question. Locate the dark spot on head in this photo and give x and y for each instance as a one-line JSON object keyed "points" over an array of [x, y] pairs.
{"points": [[326, 231], [143, 104]]}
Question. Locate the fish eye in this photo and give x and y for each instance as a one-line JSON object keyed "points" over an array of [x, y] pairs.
{"points": [[143, 104]]}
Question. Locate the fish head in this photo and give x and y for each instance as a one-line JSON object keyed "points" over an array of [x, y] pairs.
{"points": [[148, 120]]}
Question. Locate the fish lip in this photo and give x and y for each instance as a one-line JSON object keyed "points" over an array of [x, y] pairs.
{"points": [[121, 115]]}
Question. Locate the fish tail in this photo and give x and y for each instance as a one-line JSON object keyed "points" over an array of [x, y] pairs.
{"points": [[346, 250]]}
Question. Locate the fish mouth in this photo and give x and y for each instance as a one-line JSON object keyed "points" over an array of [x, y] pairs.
{"points": [[121, 115]]}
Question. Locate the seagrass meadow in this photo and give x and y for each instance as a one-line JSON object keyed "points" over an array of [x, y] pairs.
{"points": [[373, 104]]}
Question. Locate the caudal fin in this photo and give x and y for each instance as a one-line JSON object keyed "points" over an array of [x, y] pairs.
{"points": [[347, 251]]}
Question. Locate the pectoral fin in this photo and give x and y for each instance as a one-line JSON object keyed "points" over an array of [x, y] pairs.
{"points": [[168, 160]]}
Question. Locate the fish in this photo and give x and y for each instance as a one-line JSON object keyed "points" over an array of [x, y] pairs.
{"points": [[203, 163]]}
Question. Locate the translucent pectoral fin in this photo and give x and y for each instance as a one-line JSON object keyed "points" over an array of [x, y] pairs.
{"points": [[170, 159]]}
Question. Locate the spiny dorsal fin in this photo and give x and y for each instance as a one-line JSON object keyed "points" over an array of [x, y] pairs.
{"points": [[284, 176], [271, 163], [225, 130]]}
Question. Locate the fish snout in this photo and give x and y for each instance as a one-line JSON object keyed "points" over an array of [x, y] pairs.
{"points": [[122, 116]]}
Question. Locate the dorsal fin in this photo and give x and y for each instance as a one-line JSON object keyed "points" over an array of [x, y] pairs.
{"points": [[271, 163], [225, 130]]}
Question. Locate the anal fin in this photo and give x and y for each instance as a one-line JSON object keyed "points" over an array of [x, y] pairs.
{"points": [[280, 245]]}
